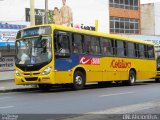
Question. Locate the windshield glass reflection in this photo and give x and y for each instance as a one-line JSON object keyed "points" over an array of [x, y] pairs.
{"points": [[33, 51]]}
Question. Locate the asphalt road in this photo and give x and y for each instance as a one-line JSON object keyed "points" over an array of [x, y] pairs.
{"points": [[115, 99]]}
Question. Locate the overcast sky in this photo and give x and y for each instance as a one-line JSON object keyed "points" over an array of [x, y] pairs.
{"points": [[149, 1]]}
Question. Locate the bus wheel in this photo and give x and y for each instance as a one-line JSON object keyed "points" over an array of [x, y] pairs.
{"points": [[132, 78], [79, 80], [157, 80], [44, 87]]}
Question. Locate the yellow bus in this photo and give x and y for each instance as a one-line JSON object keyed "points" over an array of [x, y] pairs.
{"points": [[157, 51], [51, 55]]}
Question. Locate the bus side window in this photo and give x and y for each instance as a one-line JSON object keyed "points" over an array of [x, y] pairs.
{"points": [[65, 44], [114, 46], [131, 52], [146, 51], [151, 52], [87, 40], [136, 49], [77, 43], [125, 44], [62, 43], [106, 47], [95, 45], [120, 48], [142, 52], [103, 46]]}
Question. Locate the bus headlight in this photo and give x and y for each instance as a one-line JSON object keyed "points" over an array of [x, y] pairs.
{"points": [[47, 70], [18, 73]]}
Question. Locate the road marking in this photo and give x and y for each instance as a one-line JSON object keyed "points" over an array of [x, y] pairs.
{"points": [[5, 98], [117, 94], [5, 107]]}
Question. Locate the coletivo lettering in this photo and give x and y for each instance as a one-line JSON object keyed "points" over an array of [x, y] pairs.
{"points": [[120, 64]]}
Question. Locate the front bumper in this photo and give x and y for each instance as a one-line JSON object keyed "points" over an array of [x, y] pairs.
{"points": [[33, 78]]}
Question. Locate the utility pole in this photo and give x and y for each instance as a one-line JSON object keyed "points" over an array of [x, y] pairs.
{"points": [[32, 15], [46, 11]]}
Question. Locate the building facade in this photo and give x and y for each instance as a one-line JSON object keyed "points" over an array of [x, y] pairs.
{"points": [[150, 17], [124, 16], [114, 16], [84, 12]]}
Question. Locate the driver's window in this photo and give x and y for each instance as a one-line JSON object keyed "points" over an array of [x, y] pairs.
{"points": [[62, 44]]}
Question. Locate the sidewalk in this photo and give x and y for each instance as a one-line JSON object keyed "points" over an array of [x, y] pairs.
{"points": [[9, 85]]}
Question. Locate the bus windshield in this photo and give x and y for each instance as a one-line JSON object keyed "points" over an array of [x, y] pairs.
{"points": [[33, 50]]}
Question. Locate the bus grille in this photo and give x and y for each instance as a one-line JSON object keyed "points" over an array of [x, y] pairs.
{"points": [[31, 79], [32, 73]]}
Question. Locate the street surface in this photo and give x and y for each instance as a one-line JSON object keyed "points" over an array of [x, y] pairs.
{"points": [[115, 99]]}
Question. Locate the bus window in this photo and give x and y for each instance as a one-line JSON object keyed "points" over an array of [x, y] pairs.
{"points": [[136, 49], [120, 48], [131, 52], [151, 52], [62, 44], [146, 51], [109, 48], [114, 46], [77, 43], [92, 44], [95, 45], [106, 47], [87, 40], [65, 44], [125, 48], [141, 50], [158, 63]]}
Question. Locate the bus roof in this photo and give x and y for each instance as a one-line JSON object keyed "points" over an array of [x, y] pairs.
{"points": [[89, 32], [59, 27]]}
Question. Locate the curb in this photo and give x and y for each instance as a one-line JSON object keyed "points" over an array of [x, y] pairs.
{"points": [[10, 86], [17, 90], [8, 80]]}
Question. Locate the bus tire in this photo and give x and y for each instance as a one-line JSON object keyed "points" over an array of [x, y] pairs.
{"points": [[79, 80], [44, 87], [132, 78], [157, 80]]}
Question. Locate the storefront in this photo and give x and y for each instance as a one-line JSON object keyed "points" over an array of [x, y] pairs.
{"points": [[7, 49]]}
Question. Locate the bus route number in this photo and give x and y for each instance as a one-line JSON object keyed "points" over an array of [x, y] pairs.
{"points": [[95, 61]]}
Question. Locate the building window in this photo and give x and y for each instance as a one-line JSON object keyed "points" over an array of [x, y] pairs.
{"points": [[125, 4], [124, 25]]}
